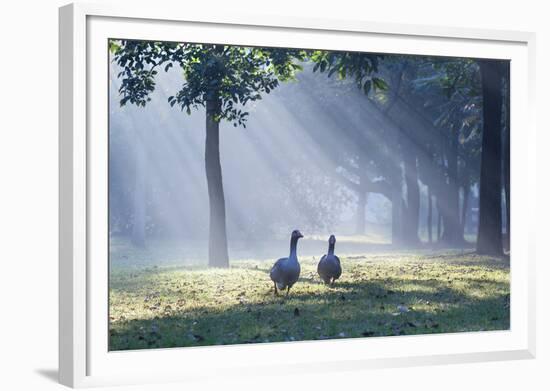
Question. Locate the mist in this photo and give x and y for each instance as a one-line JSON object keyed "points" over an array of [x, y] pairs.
{"points": [[317, 154]]}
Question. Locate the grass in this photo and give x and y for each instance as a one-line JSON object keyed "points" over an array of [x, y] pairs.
{"points": [[377, 295]]}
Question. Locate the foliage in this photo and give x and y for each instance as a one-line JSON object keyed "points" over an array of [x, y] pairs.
{"points": [[377, 295], [435, 102], [359, 66], [459, 81], [451, 91], [233, 75]]}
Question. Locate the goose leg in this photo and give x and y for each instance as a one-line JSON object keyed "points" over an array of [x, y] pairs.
{"points": [[275, 286], [287, 290]]}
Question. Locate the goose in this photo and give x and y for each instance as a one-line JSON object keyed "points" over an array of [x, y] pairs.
{"points": [[329, 267], [286, 271]]}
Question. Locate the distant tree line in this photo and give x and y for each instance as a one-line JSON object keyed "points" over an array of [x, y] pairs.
{"points": [[442, 122]]}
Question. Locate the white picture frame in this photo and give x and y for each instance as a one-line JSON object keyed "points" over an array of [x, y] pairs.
{"points": [[84, 360]]}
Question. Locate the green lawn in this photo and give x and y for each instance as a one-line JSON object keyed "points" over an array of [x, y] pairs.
{"points": [[377, 295]]}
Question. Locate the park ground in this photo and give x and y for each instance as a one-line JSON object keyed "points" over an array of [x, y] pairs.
{"points": [[379, 294]]}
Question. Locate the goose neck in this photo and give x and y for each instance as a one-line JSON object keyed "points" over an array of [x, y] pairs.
{"points": [[293, 245]]}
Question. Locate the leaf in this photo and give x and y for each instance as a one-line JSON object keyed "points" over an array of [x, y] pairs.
{"points": [[379, 84], [367, 87], [198, 338], [402, 308]]}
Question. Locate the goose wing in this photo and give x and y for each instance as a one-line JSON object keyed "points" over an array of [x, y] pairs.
{"points": [[276, 270], [321, 263], [322, 269], [339, 267]]}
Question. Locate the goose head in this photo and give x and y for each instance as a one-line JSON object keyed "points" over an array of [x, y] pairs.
{"points": [[332, 240], [296, 234]]}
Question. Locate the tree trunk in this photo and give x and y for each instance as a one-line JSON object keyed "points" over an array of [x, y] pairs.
{"points": [[396, 215], [139, 210], [217, 247], [489, 238], [506, 153], [465, 203], [395, 178], [429, 218], [410, 222], [451, 216]]}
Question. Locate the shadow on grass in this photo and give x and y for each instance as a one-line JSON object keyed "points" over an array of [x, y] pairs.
{"points": [[348, 310], [467, 258]]}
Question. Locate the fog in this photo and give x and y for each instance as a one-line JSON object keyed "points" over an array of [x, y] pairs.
{"points": [[306, 149]]}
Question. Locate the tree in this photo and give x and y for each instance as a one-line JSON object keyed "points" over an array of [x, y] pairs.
{"points": [[404, 211], [220, 78], [448, 90], [431, 111], [489, 239]]}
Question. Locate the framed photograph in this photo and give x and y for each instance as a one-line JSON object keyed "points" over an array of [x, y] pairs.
{"points": [[241, 195]]}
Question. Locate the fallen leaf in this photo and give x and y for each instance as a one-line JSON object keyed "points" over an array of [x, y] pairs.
{"points": [[402, 308]]}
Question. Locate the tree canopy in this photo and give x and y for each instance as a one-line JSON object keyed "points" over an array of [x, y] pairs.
{"points": [[233, 74]]}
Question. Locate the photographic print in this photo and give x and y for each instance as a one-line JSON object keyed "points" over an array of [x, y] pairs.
{"points": [[262, 194]]}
